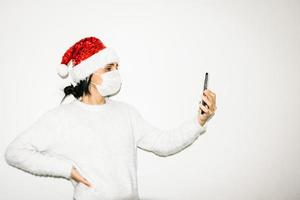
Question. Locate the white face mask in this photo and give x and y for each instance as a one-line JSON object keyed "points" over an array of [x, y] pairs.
{"points": [[111, 83]]}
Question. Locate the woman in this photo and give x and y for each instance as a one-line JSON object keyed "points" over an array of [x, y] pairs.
{"points": [[92, 141]]}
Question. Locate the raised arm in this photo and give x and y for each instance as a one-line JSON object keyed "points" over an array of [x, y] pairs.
{"points": [[164, 142], [29, 150]]}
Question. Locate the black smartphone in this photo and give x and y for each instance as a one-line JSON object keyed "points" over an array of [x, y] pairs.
{"points": [[204, 88]]}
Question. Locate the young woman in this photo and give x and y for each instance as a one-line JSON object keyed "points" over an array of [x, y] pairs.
{"points": [[93, 141]]}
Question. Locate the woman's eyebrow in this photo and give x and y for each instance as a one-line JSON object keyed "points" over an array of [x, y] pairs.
{"points": [[109, 65]]}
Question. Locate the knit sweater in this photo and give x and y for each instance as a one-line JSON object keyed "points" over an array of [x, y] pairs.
{"points": [[100, 141]]}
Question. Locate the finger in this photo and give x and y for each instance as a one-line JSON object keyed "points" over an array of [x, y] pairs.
{"points": [[204, 114], [204, 108], [210, 95], [211, 92], [207, 101], [212, 99], [208, 110], [200, 109], [213, 104]]}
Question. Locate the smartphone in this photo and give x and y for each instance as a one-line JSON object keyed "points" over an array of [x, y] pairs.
{"points": [[204, 88]]}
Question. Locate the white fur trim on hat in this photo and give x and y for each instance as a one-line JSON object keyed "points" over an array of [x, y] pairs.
{"points": [[91, 64], [63, 70]]}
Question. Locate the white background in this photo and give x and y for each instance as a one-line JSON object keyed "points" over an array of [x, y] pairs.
{"points": [[250, 48]]}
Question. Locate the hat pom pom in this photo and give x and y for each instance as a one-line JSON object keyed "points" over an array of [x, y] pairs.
{"points": [[62, 70]]}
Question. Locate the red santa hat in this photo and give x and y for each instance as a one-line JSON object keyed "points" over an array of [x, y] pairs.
{"points": [[85, 57]]}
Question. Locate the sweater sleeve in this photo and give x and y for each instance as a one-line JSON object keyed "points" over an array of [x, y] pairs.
{"points": [[164, 142], [29, 151]]}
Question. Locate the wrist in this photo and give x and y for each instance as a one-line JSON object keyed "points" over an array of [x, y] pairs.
{"points": [[202, 123]]}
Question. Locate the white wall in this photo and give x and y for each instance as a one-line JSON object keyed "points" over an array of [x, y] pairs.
{"points": [[250, 48]]}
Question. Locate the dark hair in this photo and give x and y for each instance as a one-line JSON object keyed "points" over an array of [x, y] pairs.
{"points": [[81, 88]]}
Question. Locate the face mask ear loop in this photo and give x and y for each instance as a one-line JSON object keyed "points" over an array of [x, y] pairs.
{"points": [[94, 84], [96, 73]]}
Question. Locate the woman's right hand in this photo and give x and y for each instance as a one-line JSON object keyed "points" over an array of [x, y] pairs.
{"points": [[78, 178]]}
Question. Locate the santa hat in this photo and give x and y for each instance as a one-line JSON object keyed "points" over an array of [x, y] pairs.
{"points": [[84, 58]]}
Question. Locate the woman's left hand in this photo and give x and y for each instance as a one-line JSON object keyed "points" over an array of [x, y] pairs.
{"points": [[209, 98]]}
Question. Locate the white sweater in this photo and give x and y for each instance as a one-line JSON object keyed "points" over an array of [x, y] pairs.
{"points": [[100, 141]]}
